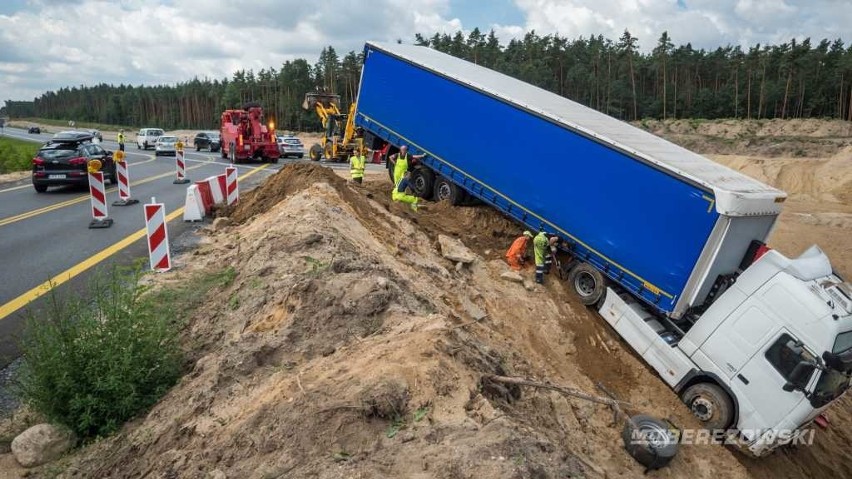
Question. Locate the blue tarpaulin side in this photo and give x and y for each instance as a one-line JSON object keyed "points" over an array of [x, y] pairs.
{"points": [[643, 227]]}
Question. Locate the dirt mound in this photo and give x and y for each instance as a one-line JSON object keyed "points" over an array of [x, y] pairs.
{"points": [[290, 179], [346, 346]]}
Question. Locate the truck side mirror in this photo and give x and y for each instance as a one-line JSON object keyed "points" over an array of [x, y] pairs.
{"points": [[799, 377]]}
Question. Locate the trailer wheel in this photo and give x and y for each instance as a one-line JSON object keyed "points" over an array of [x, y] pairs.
{"points": [[650, 441], [423, 183], [588, 283], [710, 404], [446, 190], [315, 152]]}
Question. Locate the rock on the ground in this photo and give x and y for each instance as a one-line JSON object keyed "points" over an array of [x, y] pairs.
{"points": [[41, 444], [454, 250], [216, 474], [512, 276], [473, 310]]}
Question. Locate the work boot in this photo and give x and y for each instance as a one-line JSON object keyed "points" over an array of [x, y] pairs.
{"points": [[414, 206]]}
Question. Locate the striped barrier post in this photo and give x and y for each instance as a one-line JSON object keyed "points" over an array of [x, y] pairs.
{"points": [[122, 172], [97, 193], [232, 186], [158, 236], [181, 165]]}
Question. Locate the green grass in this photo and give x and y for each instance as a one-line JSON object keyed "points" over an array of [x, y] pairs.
{"points": [[16, 155]]}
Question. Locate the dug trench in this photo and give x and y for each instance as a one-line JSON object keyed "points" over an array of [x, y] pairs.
{"points": [[347, 346]]}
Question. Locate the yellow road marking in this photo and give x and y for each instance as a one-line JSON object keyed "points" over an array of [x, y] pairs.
{"points": [[87, 263], [80, 199]]}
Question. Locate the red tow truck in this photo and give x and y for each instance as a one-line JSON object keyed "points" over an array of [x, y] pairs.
{"points": [[245, 136]]}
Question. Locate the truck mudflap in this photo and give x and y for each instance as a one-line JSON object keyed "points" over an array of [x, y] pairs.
{"points": [[646, 335]]}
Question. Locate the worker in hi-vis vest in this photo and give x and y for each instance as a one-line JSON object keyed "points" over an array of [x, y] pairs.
{"points": [[357, 164], [540, 248], [400, 163]]}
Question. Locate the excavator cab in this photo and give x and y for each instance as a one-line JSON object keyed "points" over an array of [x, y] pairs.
{"points": [[339, 134], [329, 101]]}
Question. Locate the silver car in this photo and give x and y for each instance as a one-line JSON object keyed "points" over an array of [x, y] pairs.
{"points": [[165, 145], [291, 146]]}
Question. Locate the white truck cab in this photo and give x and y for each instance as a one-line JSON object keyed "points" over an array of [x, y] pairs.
{"points": [[765, 358]]}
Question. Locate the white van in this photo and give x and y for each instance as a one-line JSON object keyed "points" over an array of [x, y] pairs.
{"points": [[147, 137]]}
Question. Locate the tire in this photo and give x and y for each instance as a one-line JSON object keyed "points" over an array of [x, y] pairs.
{"points": [[710, 404], [446, 190], [145, 145], [301, 155], [588, 283], [274, 161], [197, 147], [423, 183], [649, 441], [40, 188], [222, 152], [316, 152], [232, 154], [137, 146]]}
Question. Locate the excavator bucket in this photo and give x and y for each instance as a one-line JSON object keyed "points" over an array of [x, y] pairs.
{"points": [[323, 98]]}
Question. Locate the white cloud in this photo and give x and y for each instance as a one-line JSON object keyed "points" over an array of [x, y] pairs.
{"points": [[56, 43], [704, 23]]}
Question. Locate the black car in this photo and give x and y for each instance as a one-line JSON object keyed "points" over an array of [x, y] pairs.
{"points": [[34, 130], [64, 161], [207, 139]]}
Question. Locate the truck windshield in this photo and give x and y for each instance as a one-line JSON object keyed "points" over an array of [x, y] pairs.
{"points": [[830, 386]]}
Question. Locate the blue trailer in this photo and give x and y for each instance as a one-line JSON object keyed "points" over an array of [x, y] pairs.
{"points": [[668, 245], [651, 216]]}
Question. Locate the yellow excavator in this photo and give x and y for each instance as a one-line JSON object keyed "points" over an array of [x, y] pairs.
{"points": [[340, 137]]}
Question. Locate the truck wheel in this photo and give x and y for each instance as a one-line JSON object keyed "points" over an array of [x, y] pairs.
{"points": [[446, 190], [222, 153], [40, 188], [710, 404], [315, 152], [649, 441], [423, 183], [588, 283], [232, 154]]}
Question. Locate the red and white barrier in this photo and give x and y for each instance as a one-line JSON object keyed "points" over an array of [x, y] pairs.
{"points": [[180, 164], [97, 193], [158, 236], [122, 172], [232, 185]]}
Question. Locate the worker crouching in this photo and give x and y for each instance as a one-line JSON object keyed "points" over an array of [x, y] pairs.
{"points": [[516, 256], [399, 192]]}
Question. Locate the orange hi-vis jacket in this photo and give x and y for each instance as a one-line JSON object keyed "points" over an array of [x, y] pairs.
{"points": [[518, 248]]}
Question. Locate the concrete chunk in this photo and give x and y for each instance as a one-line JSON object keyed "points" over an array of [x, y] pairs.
{"points": [[454, 250], [513, 277]]}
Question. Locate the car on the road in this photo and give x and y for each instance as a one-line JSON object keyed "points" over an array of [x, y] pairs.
{"points": [[207, 139], [165, 146], [34, 130], [64, 161], [291, 146], [147, 137]]}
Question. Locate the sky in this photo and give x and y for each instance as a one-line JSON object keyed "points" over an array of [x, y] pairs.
{"points": [[48, 44]]}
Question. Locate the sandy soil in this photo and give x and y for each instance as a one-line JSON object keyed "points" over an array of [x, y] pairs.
{"points": [[346, 347]]}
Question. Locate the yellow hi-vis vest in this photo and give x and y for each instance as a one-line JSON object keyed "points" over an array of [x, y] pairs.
{"points": [[356, 166], [399, 168], [121, 137]]}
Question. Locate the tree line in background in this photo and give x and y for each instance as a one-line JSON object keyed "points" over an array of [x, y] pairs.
{"points": [[791, 80]]}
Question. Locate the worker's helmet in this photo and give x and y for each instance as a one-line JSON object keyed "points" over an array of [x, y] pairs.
{"points": [[528, 234]]}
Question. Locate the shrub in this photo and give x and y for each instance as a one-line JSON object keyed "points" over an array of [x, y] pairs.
{"points": [[92, 365], [16, 155]]}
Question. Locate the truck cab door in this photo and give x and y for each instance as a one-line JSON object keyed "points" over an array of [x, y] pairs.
{"points": [[761, 382]]}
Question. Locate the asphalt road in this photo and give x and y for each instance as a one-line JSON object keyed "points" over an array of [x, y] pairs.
{"points": [[45, 236]]}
